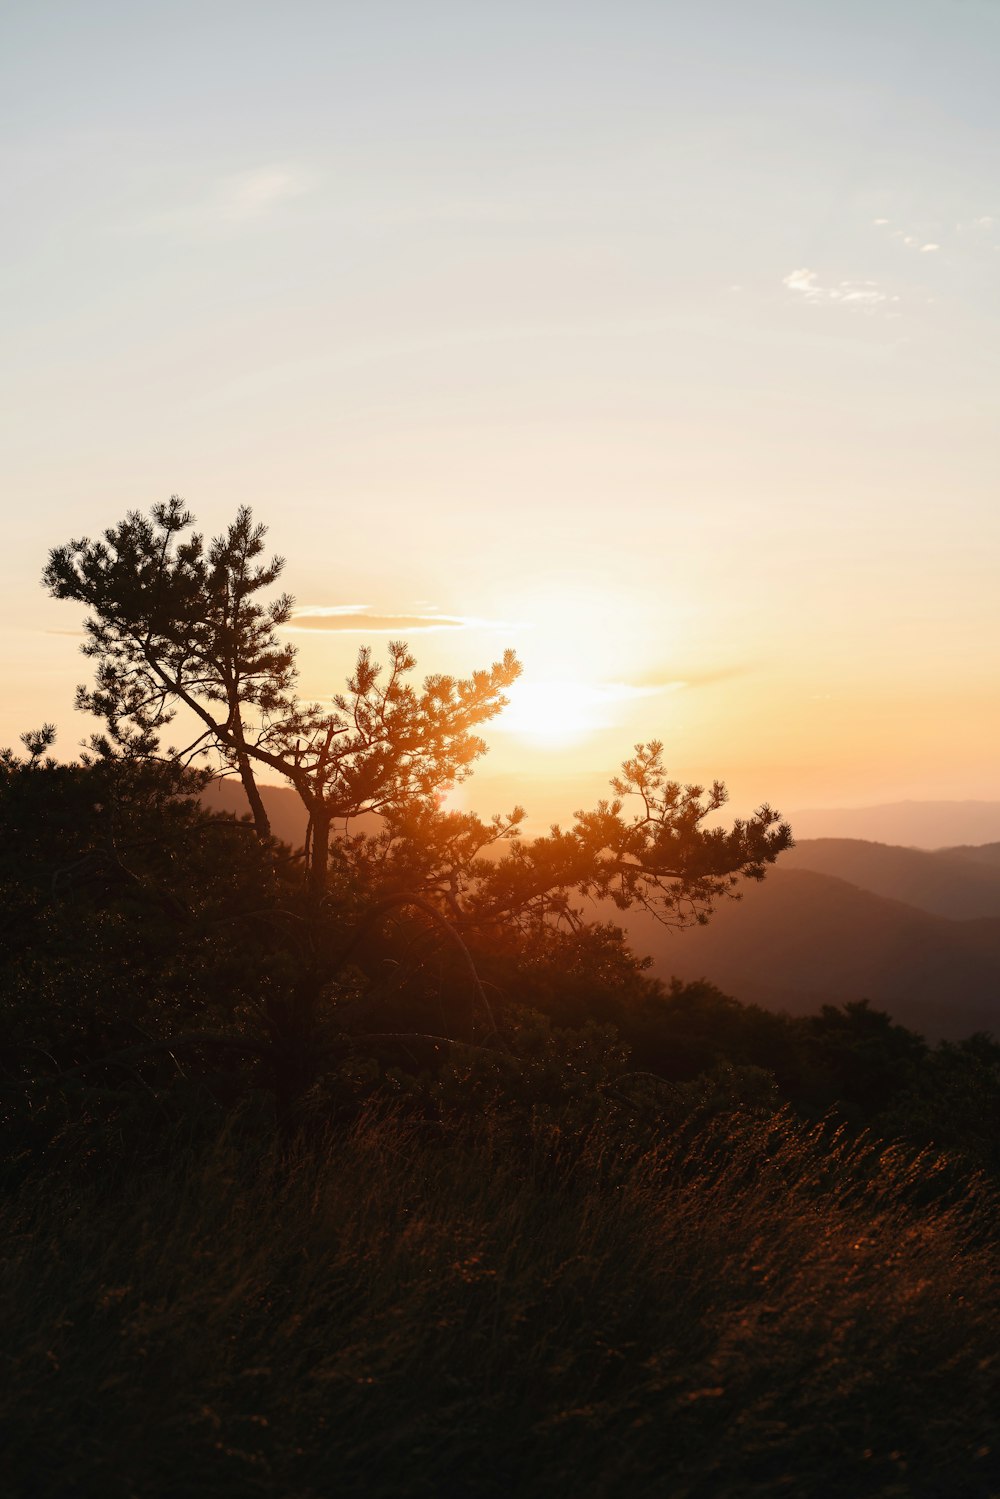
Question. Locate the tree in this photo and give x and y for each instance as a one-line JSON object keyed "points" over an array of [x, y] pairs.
{"points": [[176, 622], [647, 847], [173, 623]]}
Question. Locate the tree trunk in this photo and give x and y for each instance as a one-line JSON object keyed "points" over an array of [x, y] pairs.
{"points": [[319, 848], [261, 821]]}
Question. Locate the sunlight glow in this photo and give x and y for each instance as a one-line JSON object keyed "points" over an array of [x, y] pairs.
{"points": [[553, 714]]}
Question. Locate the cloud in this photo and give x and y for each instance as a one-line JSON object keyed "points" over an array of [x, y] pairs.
{"points": [[358, 619], [910, 240], [252, 195], [627, 692], [914, 241], [802, 280], [661, 681], [806, 284], [240, 198], [979, 231]]}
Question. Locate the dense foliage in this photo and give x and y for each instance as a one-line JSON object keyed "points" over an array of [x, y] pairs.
{"points": [[153, 951]]}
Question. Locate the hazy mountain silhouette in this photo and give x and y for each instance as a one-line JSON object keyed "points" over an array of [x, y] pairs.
{"points": [[912, 823], [802, 939], [985, 853], [287, 814], [947, 882]]}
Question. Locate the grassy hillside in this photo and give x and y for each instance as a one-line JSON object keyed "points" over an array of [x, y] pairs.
{"points": [[734, 1307]]}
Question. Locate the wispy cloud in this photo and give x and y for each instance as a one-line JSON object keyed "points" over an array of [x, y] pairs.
{"points": [[355, 619], [981, 230], [664, 681], [935, 234], [254, 194], [806, 284], [237, 199], [908, 238], [912, 242]]}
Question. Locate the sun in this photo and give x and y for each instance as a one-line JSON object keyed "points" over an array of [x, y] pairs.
{"points": [[554, 713], [571, 691]]}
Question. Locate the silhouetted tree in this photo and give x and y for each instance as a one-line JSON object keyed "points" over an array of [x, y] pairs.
{"points": [[177, 622], [648, 847]]}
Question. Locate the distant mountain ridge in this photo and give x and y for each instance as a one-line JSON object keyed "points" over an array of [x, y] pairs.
{"points": [[287, 814], [805, 938], [957, 883], [920, 824], [984, 853]]}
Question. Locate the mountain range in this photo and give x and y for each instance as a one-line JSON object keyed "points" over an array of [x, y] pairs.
{"points": [[930, 824], [804, 938]]}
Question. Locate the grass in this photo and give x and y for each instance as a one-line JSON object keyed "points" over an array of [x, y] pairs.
{"points": [[749, 1308]]}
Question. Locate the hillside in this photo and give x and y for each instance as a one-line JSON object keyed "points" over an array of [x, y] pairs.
{"points": [[802, 939], [948, 882], [984, 853], [287, 814]]}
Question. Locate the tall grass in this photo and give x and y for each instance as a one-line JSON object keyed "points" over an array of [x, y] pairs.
{"points": [[749, 1309]]}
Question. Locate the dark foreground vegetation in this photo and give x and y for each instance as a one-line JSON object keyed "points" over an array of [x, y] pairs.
{"points": [[377, 1171], [267, 1234], [738, 1306]]}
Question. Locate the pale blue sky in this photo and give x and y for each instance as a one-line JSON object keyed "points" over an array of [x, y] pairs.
{"points": [[663, 336]]}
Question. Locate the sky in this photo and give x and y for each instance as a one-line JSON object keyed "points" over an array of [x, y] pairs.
{"points": [[658, 341]]}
